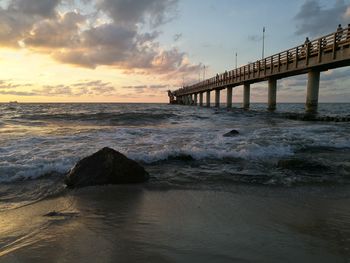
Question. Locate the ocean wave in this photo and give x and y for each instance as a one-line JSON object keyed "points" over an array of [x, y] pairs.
{"points": [[194, 136], [108, 117], [249, 152], [21, 193], [12, 171], [17, 169]]}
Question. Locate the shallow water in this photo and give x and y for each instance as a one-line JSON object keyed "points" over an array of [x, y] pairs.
{"points": [[143, 224], [279, 191]]}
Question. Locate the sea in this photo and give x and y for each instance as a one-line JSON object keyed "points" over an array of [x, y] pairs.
{"points": [[277, 191]]}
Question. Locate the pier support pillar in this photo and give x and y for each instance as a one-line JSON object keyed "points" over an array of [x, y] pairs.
{"points": [[190, 100], [187, 98], [208, 99], [195, 99], [313, 85], [201, 99], [217, 98], [272, 94], [184, 99], [246, 96], [229, 97]]}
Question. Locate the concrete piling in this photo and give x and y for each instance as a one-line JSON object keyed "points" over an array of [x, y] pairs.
{"points": [[272, 94], [217, 98], [313, 86], [229, 97], [201, 99], [208, 98], [246, 96]]}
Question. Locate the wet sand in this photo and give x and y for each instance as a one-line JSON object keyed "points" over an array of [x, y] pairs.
{"points": [[236, 223]]}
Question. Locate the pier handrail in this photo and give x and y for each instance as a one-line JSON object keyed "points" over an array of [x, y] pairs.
{"points": [[302, 53]]}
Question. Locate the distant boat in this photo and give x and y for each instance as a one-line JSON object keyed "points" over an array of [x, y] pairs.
{"points": [[13, 102]]}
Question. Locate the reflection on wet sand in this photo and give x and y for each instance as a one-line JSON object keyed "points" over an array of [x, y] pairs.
{"points": [[143, 224]]}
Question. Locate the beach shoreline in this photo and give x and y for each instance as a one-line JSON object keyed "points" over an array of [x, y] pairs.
{"points": [[140, 223]]}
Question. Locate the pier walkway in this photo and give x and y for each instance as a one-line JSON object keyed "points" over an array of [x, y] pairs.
{"points": [[327, 52]]}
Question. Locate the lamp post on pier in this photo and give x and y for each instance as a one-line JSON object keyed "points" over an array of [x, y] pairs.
{"points": [[263, 44]]}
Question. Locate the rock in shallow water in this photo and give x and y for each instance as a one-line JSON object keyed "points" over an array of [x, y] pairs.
{"points": [[231, 133], [106, 166]]}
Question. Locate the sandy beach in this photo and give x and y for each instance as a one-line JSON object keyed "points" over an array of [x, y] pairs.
{"points": [[142, 224]]}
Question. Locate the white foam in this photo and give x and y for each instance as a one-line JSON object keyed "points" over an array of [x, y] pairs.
{"points": [[34, 152]]}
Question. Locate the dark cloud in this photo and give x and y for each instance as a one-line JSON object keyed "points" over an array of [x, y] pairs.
{"points": [[314, 20], [59, 32], [130, 13], [18, 19], [43, 8], [13, 27]]}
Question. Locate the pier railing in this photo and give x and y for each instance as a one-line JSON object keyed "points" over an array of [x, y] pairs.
{"points": [[323, 51]]}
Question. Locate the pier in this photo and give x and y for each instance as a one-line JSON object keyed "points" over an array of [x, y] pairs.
{"points": [[311, 58]]}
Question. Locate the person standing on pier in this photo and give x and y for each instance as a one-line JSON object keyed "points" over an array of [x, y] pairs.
{"points": [[339, 33], [306, 46]]}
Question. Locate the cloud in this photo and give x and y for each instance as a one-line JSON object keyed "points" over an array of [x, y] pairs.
{"points": [[130, 13], [58, 90], [7, 84], [148, 89], [17, 20], [93, 88], [347, 14], [329, 82], [314, 20], [177, 37], [44, 8], [17, 93], [336, 75], [59, 32], [116, 33]]}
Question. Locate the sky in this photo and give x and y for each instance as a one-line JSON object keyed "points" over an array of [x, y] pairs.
{"points": [[135, 50]]}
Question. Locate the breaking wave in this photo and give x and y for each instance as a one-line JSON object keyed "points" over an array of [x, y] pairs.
{"points": [[162, 136]]}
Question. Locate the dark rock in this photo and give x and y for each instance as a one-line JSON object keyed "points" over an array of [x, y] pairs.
{"points": [[60, 214], [53, 213], [106, 166], [231, 133]]}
